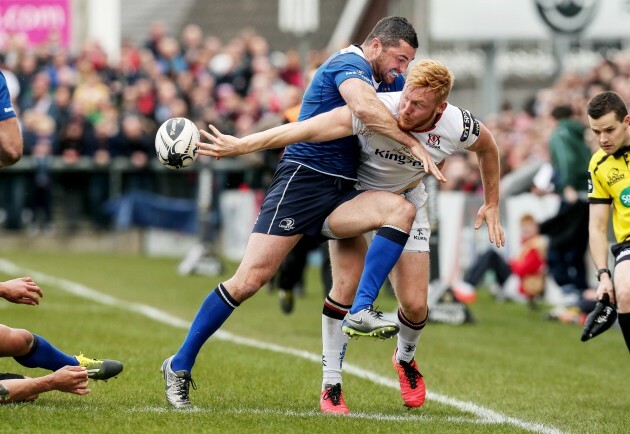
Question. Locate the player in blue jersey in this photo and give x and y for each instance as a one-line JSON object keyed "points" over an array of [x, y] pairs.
{"points": [[10, 136], [422, 109], [316, 181]]}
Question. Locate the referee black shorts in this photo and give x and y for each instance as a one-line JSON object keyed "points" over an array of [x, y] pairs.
{"points": [[621, 251]]}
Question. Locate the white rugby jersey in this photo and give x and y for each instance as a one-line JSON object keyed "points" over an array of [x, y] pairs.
{"points": [[388, 165]]}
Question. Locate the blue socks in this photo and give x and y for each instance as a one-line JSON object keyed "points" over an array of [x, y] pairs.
{"points": [[44, 355], [216, 308], [382, 255]]}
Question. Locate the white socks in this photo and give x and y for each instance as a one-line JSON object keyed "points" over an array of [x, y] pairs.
{"points": [[408, 337]]}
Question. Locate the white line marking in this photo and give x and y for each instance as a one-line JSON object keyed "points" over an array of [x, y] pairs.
{"points": [[289, 413], [317, 414], [485, 415]]}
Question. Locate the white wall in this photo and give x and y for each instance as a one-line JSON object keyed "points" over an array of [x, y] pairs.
{"points": [[489, 20]]}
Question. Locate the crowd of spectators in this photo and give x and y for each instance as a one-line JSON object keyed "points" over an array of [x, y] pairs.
{"points": [[83, 105], [523, 133], [79, 106]]}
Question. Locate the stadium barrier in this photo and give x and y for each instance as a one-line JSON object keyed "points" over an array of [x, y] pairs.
{"points": [[82, 189]]}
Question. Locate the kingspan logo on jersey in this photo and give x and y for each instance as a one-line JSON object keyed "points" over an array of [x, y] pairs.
{"points": [[400, 156]]}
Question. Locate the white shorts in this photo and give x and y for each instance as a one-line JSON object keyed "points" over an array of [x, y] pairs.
{"points": [[421, 229], [420, 233]]}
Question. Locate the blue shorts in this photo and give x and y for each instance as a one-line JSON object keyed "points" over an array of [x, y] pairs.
{"points": [[299, 200]]}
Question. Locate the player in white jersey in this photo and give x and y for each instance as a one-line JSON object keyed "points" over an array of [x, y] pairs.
{"points": [[422, 110]]}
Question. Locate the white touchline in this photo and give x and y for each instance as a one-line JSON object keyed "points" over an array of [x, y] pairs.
{"points": [[488, 416]]}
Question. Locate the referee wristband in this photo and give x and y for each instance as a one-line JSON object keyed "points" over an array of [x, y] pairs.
{"points": [[602, 271]]}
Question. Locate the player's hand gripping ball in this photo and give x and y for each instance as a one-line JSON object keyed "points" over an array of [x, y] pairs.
{"points": [[175, 143]]}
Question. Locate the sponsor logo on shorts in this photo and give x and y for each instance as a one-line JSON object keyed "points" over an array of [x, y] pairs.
{"points": [[420, 236], [287, 224], [623, 253], [8, 109]]}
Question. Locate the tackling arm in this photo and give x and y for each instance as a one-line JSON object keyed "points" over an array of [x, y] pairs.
{"points": [[327, 126], [363, 102]]}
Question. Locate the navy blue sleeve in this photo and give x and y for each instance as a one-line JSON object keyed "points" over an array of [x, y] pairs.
{"points": [[350, 65], [6, 109]]}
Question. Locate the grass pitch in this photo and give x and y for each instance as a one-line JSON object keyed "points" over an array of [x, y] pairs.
{"points": [[510, 372]]}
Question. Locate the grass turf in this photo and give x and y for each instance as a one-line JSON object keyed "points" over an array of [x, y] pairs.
{"points": [[511, 362]]}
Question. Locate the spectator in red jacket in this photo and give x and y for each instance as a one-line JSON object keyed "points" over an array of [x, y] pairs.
{"points": [[529, 266]]}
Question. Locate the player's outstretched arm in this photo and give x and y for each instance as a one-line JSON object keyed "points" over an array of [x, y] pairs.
{"points": [[327, 126], [22, 290], [363, 102], [488, 157], [70, 379]]}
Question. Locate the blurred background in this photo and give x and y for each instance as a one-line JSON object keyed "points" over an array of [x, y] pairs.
{"points": [[92, 81]]}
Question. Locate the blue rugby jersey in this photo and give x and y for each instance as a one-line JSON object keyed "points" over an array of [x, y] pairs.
{"points": [[6, 109], [337, 157]]}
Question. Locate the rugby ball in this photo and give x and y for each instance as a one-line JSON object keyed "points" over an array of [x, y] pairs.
{"points": [[175, 143]]}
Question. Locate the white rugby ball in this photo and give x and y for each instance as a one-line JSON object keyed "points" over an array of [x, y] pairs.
{"points": [[175, 143]]}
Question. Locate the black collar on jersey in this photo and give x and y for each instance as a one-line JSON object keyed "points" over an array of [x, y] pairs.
{"points": [[437, 118], [359, 47], [621, 151]]}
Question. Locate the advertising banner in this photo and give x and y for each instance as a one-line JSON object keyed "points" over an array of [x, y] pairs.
{"points": [[37, 20]]}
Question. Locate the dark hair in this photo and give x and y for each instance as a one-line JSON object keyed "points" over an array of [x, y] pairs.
{"points": [[561, 112], [390, 30], [606, 102]]}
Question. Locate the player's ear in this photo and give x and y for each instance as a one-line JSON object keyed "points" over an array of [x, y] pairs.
{"points": [[376, 44], [442, 107]]}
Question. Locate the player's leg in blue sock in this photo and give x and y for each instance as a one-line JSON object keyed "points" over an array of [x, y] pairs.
{"points": [[44, 355], [382, 255], [216, 308]]}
